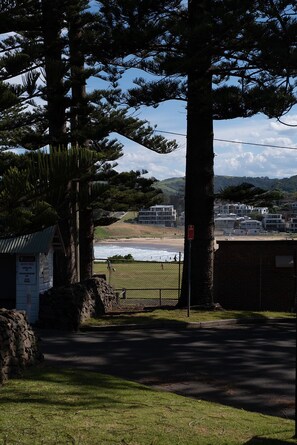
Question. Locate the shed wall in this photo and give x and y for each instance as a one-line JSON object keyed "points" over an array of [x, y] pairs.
{"points": [[256, 275]]}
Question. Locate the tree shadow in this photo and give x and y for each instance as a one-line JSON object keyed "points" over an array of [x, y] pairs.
{"points": [[249, 367], [267, 441]]}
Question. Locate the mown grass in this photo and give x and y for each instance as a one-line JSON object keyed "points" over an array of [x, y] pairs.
{"points": [[173, 315], [61, 407], [141, 275]]}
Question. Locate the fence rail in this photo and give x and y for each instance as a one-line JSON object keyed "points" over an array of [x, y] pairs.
{"points": [[160, 299]]}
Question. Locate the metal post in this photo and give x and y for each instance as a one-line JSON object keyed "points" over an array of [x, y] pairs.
{"points": [[295, 310], [260, 285], [179, 274], [160, 297], [189, 277]]}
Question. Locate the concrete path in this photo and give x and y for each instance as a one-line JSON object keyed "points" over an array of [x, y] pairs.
{"points": [[250, 367]]}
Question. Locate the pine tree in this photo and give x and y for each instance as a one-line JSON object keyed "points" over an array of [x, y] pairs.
{"points": [[53, 38], [226, 59]]}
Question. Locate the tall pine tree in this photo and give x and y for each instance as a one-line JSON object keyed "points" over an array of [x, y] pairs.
{"points": [[49, 47], [226, 59]]}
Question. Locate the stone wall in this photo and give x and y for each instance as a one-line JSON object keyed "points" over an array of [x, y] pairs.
{"points": [[18, 344], [66, 307]]}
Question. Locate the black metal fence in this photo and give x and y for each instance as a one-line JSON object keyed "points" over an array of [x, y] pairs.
{"points": [[145, 283]]}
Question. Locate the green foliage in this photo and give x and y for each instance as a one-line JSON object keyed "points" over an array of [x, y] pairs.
{"points": [[116, 258], [249, 194]]}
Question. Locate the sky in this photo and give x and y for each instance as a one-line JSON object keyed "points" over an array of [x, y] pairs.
{"points": [[232, 159]]}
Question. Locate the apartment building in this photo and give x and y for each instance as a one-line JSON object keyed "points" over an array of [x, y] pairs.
{"points": [[293, 225], [161, 215], [251, 226], [274, 222], [239, 210]]}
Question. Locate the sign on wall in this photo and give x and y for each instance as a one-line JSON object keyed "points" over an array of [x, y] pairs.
{"points": [[26, 269]]}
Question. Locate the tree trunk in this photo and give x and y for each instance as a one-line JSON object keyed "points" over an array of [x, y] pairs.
{"points": [[199, 186], [56, 113], [54, 73], [86, 238], [66, 266], [78, 121]]}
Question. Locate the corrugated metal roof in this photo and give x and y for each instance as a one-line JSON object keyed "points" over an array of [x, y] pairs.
{"points": [[38, 242]]}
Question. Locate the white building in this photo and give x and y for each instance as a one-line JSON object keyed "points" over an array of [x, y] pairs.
{"points": [[239, 210], [225, 223], [293, 225], [161, 215], [274, 222], [27, 269], [251, 226]]}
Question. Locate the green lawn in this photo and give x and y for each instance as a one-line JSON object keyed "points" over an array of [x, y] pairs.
{"points": [[141, 275], [180, 316], [61, 407]]}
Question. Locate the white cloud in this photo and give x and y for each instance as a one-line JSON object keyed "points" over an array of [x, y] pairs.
{"points": [[234, 159]]}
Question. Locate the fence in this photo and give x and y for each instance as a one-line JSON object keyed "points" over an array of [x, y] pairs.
{"points": [[141, 282]]}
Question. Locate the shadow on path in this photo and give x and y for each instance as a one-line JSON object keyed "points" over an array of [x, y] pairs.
{"points": [[249, 367]]}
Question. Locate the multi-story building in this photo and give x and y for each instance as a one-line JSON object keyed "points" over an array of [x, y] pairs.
{"points": [[225, 223], [274, 222], [293, 225], [239, 210], [161, 215], [251, 226]]}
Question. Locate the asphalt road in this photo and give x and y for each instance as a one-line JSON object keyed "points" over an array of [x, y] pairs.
{"points": [[250, 367]]}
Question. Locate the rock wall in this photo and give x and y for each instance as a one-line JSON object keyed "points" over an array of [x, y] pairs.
{"points": [[18, 344], [66, 307]]}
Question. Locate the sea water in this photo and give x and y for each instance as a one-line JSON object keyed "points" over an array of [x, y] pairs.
{"points": [[139, 253]]}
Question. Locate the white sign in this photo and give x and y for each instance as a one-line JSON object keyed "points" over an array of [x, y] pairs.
{"points": [[26, 269]]}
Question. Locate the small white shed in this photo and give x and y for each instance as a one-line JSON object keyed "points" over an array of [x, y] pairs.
{"points": [[27, 269]]}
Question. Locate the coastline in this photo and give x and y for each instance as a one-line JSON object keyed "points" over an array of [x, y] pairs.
{"points": [[160, 242], [178, 243]]}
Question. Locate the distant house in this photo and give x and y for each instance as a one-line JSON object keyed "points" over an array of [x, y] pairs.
{"points": [[240, 210], [251, 226], [274, 222], [26, 269], [161, 215], [293, 225], [225, 223]]}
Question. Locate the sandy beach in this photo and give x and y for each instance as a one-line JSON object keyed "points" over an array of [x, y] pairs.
{"points": [[178, 243], [162, 243]]}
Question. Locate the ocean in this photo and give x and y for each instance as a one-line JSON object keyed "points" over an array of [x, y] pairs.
{"points": [[148, 252]]}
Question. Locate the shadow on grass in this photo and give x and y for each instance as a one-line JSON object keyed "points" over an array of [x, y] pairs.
{"points": [[170, 315], [68, 389], [267, 441]]}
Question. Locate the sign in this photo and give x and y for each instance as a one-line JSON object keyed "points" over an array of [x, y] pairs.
{"points": [[26, 270], [191, 232]]}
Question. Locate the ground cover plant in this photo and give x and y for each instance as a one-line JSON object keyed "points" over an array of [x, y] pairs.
{"points": [[67, 407]]}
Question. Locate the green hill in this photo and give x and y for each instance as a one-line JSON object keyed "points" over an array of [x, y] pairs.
{"points": [[173, 186]]}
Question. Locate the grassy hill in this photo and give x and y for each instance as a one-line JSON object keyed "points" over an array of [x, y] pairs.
{"points": [[123, 229], [173, 186]]}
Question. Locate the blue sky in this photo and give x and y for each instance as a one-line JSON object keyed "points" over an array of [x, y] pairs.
{"points": [[231, 159]]}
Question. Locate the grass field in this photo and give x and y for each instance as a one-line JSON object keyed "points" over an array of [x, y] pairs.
{"points": [[142, 275], [67, 407]]}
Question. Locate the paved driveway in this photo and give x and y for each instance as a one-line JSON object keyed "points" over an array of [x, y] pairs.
{"points": [[250, 367]]}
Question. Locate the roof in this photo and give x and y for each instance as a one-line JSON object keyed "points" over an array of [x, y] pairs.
{"points": [[32, 243]]}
